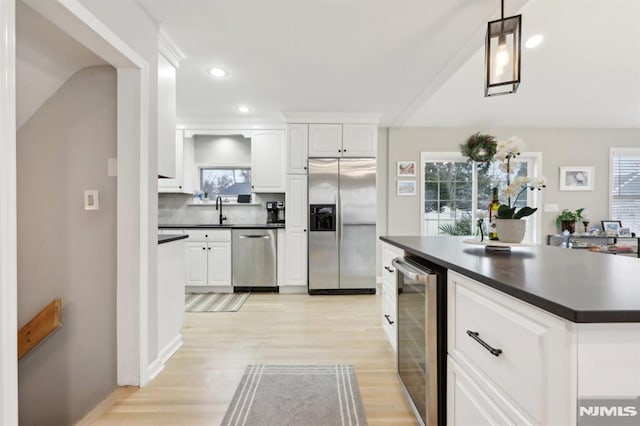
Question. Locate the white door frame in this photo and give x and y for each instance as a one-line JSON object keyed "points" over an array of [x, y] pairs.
{"points": [[8, 219], [134, 184]]}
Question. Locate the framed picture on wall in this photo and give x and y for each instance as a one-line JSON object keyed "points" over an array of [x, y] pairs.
{"points": [[406, 187], [576, 178], [406, 168]]}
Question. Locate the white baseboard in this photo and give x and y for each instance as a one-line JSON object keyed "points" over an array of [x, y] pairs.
{"points": [[293, 289], [171, 348], [104, 405], [154, 369]]}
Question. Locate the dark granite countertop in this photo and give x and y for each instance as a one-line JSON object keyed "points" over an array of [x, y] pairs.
{"points": [[225, 226], [577, 285], [167, 238]]}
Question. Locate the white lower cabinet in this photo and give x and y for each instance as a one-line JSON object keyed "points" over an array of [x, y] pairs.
{"points": [[390, 293], [511, 358], [209, 258], [296, 231], [468, 404]]}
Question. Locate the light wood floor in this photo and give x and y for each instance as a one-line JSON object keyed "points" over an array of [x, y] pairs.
{"points": [[198, 382]]}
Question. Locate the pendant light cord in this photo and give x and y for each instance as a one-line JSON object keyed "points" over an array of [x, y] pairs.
{"points": [[502, 9]]}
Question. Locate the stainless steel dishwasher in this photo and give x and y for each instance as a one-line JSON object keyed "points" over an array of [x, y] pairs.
{"points": [[254, 257]]}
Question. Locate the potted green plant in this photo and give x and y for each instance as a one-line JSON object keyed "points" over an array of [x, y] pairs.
{"points": [[566, 220]]}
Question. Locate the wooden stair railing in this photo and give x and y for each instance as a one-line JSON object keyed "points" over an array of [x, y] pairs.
{"points": [[42, 325]]}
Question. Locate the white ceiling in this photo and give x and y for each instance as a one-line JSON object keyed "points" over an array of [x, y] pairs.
{"points": [[586, 73], [412, 62], [45, 58], [365, 56]]}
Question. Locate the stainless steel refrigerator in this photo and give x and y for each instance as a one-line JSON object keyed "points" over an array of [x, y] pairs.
{"points": [[342, 225]]}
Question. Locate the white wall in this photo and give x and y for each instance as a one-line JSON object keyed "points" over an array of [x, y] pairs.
{"points": [[559, 147], [222, 150], [381, 196], [67, 252]]}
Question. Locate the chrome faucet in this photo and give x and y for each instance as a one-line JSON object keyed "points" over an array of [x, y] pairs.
{"points": [[219, 203]]}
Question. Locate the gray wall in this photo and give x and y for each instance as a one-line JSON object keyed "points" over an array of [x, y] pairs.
{"points": [[559, 147], [65, 251]]}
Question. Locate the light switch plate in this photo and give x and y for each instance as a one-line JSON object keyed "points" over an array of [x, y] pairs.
{"points": [[551, 208], [91, 199]]}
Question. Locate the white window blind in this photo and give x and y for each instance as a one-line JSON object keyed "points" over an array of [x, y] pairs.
{"points": [[625, 187]]}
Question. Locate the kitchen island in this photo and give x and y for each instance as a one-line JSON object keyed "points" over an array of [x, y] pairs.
{"points": [[166, 301], [537, 335]]}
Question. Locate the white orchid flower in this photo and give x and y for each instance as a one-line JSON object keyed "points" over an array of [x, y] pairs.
{"points": [[539, 182], [500, 155], [521, 180]]}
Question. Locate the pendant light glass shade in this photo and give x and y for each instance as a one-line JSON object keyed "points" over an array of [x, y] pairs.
{"points": [[502, 56]]}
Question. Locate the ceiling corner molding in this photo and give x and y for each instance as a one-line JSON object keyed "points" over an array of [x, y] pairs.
{"points": [[170, 49], [332, 117]]}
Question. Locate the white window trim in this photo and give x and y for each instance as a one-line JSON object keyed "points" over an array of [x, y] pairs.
{"points": [[456, 156]]}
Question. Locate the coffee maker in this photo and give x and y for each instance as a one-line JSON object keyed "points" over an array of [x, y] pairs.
{"points": [[275, 212]]}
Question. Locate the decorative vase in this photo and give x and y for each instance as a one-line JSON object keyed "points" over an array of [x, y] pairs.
{"points": [[510, 230], [569, 225]]}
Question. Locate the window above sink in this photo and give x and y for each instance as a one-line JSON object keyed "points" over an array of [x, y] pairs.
{"points": [[226, 182]]}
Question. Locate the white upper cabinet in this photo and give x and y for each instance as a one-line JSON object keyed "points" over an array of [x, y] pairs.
{"points": [[359, 140], [297, 148], [166, 118], [185, 180], [268, 161], [325, 140], [342, 140]]}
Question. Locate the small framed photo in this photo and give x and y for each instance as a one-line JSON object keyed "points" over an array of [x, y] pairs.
{"points": [[576, 178], [624, 232], [406, 168], [406, 187], [611, 227]]}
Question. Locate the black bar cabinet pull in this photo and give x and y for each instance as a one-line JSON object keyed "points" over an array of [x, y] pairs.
{"points": [[389, 269], [476, 336], [388, 320]]}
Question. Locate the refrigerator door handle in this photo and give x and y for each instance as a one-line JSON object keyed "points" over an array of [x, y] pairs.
{"points": [[340, 217]]}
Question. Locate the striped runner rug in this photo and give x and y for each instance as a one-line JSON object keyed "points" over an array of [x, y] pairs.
{"points": [[311, 395], [214, 302]]}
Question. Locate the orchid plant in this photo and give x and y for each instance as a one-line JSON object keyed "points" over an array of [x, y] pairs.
{"points": [[518, 185]]}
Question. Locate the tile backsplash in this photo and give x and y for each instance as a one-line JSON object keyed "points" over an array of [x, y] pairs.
{"points": [[175, 209]]}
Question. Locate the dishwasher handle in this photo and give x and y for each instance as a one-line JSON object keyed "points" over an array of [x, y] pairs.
{"points": [[412, 272], [266, 237]]}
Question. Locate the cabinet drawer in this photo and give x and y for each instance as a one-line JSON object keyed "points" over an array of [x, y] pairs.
{"points": [[532, 344], [206, 235], [389, 253], [389, 315], [469, 405]]}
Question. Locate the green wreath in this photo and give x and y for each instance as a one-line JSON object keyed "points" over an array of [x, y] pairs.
{"points": [[479, 147]]}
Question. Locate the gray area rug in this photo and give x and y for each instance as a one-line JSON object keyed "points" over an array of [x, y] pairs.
{"points": [[288, 395], [214, 302]]}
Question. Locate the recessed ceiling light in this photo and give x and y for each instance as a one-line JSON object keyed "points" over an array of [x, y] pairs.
{"points": [[217, 72], [533, 41], [244, 109]]}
